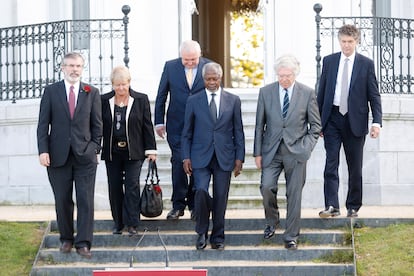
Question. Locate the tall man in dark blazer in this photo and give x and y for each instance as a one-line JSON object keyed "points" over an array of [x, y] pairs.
{"points": [[69, 136], [348, 88], [287, 129], [212, 145], [181, 78]]}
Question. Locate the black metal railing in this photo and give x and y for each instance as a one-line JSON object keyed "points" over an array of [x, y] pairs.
{"points": [[31, 55], [388, 41]]}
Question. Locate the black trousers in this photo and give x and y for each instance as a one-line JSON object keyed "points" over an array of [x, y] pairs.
{"points": [[124, 190], [61, 180], [337, 133]]}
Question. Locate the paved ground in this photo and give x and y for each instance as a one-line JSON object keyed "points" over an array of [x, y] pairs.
{"points": [[46, 213]]}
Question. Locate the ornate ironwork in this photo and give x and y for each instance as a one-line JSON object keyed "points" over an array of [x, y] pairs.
{"points": [[31, 55], [388, 41]]}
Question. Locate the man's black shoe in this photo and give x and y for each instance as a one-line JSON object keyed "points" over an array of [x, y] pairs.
{"points": [[217, 246], [201, 242], [352, 213], [269, 231], [329, 212], [132, 231], [193, 216], [291, 245], [175, 214], [117, 231]]}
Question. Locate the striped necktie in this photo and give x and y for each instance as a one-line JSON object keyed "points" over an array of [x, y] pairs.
{"points": [[285, 104]]}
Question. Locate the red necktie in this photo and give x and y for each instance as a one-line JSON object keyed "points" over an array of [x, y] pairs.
{"points": [[71, 101]]}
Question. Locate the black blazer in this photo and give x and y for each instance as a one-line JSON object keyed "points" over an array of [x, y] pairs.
{"points": [[140, 131], [57, 133]]}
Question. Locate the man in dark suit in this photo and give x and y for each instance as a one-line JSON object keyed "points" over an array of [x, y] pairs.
{"points": [[212, 145], [181, 78], [287, 129], [348, 88], [69, 136]]}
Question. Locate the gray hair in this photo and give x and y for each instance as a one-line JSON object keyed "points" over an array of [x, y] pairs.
{"points": [[72, 55], [212, 67], [287, 61], [190, 46]]}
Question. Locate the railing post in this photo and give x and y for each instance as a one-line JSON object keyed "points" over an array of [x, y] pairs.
{"points": [[318, 8], [126, 9]]}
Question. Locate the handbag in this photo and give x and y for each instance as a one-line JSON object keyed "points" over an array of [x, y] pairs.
{"points": [[151, 204]]}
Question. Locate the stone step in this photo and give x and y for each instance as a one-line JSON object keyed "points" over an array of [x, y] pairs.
{"points": [[111, 255], [187, 238], [236, 268], [236, 224]]}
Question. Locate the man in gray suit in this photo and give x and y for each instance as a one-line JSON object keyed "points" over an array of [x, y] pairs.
{"points": [[287, 129]]}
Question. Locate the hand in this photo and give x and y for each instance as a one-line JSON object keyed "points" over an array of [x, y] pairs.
{"points": [[187, 166], [160, 131], [321, 134], [44, 159], [152, 157], [238, 165], [258, 160], [374, 132]]}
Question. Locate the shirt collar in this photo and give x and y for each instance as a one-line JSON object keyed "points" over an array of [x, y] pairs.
{"points": [[351, 58]]}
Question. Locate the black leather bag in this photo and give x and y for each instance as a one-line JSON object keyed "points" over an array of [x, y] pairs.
{"points": [[151, 197]]}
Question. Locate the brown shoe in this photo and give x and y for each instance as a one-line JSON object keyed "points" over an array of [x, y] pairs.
{"points": [[84, 252], [66, 247]]}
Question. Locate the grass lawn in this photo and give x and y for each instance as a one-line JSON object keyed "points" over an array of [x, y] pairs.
{"points": [[385, 250], [19, 243]]}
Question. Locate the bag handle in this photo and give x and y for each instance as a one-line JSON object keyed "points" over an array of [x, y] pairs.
{"points": [[152, 170]]}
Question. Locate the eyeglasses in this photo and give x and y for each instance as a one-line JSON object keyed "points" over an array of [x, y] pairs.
{"points": [[287, 76], [118, 120]]}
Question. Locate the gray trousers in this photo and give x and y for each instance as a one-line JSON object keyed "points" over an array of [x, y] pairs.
{"points": [[295, 174]]}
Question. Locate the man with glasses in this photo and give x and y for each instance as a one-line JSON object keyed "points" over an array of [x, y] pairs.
{"points": [[69, 136], [287, 129]]}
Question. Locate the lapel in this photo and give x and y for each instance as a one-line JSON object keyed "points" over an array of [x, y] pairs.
{"points": [[294, 100], [63, 99], [198, 77], [275, 98], [81, 99], [204, 106], [355, 71]]}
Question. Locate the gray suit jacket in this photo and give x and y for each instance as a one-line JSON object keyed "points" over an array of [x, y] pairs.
{"points": [[299, 131]]}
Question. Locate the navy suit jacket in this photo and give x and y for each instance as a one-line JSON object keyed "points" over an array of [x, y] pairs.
{"points": [[57, 133], [173, 81], [363, 91], [201, 137]]}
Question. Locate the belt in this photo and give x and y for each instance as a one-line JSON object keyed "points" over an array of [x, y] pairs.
{"points": [[122, 144]]}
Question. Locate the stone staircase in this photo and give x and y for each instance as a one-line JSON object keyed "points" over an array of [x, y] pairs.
{"points": [[246, 252]]}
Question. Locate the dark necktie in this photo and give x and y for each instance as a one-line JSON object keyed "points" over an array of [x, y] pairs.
{"points": [[213, 107], [285, 104], [71, 101], [343, 102]]}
